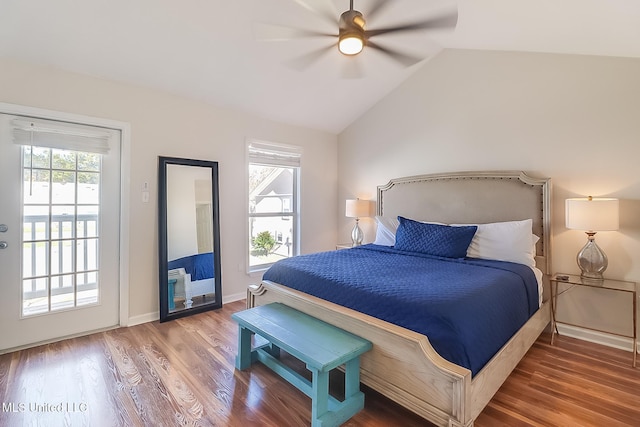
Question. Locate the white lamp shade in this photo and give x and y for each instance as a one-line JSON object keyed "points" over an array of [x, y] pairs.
{"points": [[358, 208], [592, 214]]}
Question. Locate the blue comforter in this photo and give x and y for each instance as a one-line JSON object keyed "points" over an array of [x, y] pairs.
{"points": [[200, 266], [468, 308]]}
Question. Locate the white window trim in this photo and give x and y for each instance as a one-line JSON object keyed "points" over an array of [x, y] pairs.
{"points": [[290, 156]]}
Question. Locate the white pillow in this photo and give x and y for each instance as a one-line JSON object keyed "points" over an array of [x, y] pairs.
{"points": [[386, 231], [511, 241]]}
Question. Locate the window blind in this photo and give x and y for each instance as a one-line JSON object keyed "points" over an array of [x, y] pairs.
{"points": [[274, 154], [61, 135]]}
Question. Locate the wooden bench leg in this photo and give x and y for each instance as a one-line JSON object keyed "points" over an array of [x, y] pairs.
{"points": [[319, 396], [352, 378], [243, 359], [326, 411], [273, 350]]}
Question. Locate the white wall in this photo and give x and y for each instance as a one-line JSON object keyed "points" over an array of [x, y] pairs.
{"points": [[182, 233], [575, 119], [164, 124]]}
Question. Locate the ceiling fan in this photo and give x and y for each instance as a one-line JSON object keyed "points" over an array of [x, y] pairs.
{"points": [[353, 36]]}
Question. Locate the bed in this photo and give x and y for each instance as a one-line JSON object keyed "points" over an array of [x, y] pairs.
{"points": [[403, 364], [194, 275]]}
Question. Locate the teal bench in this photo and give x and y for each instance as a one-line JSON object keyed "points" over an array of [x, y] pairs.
{"points": [[320, 345]]}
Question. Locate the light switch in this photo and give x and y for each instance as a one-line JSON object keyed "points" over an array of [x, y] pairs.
{"points": [[145, 192]]}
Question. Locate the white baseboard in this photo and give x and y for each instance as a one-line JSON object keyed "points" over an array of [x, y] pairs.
{"points": [[596, 337], [143, 318], [235, 297], [150, 317]]}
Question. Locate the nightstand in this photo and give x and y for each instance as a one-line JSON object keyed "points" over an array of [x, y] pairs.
{"points": [[608, 284]]}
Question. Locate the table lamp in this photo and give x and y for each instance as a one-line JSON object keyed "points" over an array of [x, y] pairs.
{"points": [[592, 215]]}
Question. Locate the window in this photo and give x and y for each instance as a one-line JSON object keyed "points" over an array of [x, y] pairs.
{"points": [[273, 216], [60, 232]]}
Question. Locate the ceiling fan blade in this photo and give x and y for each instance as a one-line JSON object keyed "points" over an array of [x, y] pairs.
{"points": [[375, 8], [272, 32], [403, 58], [323, 8], [303, 62], [440, 22]]}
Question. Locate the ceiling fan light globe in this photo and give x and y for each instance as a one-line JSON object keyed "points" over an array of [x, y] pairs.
{"points": [[350, 44]]}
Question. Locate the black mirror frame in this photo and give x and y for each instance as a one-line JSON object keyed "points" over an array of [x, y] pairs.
{"points": [[163, 262]]}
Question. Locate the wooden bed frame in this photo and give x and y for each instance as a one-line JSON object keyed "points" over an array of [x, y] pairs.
{"points": [[402, 364]]}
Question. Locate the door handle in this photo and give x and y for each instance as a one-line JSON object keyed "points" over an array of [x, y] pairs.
{"points": [[3, 245]]}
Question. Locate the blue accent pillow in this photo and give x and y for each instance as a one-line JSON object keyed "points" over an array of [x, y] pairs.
{"points": [[434, 239]]}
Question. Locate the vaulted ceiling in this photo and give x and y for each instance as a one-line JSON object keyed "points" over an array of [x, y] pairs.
{"points": [[208, 49]]}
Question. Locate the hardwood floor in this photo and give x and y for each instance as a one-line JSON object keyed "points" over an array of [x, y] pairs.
{"points": [[182, 373]]}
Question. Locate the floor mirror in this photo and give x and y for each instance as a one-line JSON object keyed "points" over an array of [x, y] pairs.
{"points": [[188, 237]]}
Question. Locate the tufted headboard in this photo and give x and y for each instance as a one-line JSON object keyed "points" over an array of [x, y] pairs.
{"points": [[473, 198]]}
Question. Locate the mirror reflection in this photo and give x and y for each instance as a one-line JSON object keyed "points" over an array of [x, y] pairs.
{"points": [[189, 236]]}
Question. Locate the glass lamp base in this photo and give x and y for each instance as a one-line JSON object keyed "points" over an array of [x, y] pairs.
{"points": [[356, 235], [592, 260]]}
